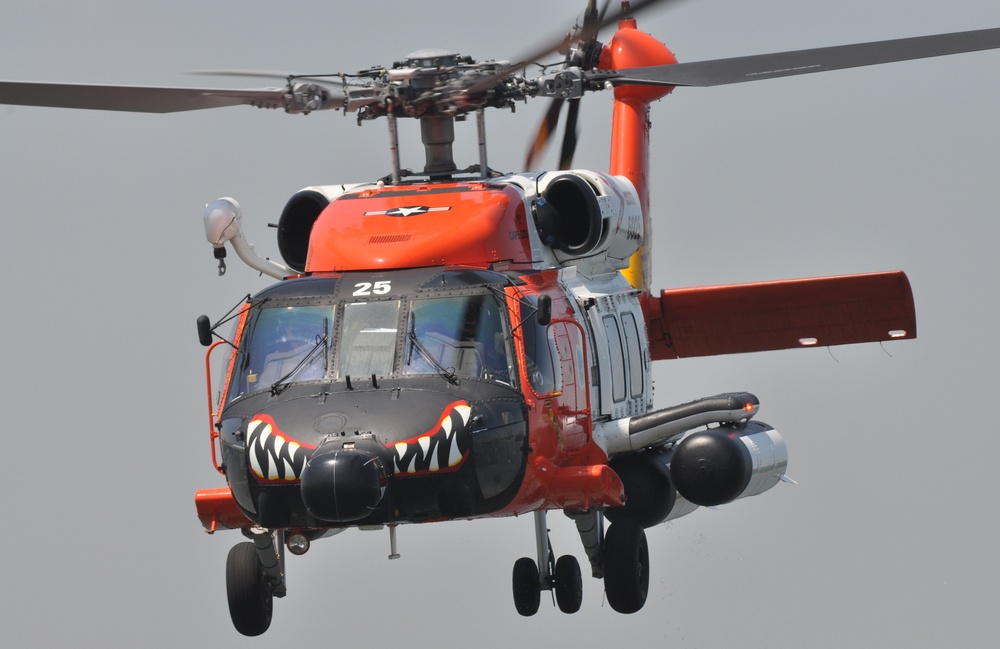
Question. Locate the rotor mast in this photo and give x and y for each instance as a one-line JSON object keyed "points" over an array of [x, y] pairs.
{"points": [[437, 133], [424, 86]]}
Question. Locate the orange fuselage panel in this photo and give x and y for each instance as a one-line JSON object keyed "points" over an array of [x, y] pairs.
{"points": [[473, 224]]}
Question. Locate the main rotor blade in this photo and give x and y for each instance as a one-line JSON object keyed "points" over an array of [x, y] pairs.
{"points": [[141, 99], [330, 79], [785, 64]]}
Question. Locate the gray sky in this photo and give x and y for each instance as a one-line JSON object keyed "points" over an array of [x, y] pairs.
{"points": [[890, 537]]}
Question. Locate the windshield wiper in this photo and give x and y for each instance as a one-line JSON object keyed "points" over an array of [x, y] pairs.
{"points": [[446, 373], [281, 384]]}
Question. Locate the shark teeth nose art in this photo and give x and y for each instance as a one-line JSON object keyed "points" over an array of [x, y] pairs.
{"points": [[273, 456], [436, 450]]}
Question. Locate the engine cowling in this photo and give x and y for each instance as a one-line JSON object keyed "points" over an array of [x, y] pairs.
{"points": [[719, 465], [296, 222], [568, 215], [587, 218]]}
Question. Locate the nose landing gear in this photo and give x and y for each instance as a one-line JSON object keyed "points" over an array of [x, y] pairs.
{"points": [[254, 577]]}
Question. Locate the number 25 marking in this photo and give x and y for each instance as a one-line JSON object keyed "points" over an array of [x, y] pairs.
{"points": [[369, 288]]}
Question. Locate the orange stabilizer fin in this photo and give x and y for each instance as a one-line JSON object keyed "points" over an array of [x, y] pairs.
{"points": [[217, 509], [786, 314]]}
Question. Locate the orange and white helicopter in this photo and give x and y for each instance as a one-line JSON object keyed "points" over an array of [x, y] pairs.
{"points": [[460, 343]]}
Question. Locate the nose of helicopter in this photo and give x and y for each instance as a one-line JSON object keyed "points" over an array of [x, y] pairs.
{"points": [[342, 485], [375, 456]]}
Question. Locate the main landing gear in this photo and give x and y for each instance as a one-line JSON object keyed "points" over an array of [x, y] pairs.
{"points": [[626, 566], [562, 576], [621, 557]]}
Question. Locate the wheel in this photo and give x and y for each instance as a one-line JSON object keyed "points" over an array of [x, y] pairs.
{"points": [[527, 590], [250, 598], [569, 584], [626, 566]]}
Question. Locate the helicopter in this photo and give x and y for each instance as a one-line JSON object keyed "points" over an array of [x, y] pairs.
{"points": [[583, 291]]}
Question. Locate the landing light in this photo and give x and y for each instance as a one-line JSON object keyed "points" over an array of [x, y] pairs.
{"points": [[298, 543], [897, 333], [807, 342]]}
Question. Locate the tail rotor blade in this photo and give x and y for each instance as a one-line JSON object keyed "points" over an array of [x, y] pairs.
{"points": [[592, 17], [557, 45], [571, 135], [544, 135]]}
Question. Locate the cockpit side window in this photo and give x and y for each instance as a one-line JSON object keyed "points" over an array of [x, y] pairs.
{"points": [[539, 351], [368, 338], [282, 344], [461, 335]]}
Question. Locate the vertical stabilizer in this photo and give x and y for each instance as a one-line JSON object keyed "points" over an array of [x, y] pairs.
{"points": [[631, 48]]}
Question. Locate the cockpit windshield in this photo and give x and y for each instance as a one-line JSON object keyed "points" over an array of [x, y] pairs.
{"points": [[368, 338], [454, 336], [461, 336], [283, 344]]}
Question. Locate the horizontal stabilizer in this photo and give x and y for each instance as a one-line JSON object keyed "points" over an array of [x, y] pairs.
{"points": [[786, 314]]}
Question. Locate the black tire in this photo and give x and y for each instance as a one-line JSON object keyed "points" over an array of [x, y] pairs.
{"points": [[569, 584], [626, 566], [527, 589], [250, 596]]}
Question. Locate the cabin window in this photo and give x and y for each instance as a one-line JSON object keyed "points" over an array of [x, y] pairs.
{"points": [[368, 339], [614, 338], [635, 360], [462, 335], [282, 344]]}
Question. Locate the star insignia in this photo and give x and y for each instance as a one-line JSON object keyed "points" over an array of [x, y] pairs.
{"points": [[408, 210]]}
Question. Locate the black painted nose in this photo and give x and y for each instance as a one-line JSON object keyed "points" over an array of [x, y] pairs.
{"points": [[343, 485]]}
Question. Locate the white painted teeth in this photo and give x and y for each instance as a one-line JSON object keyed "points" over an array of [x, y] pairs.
{"points": [[275, 458], [272, 456], [258, 432], [425, 453]]}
